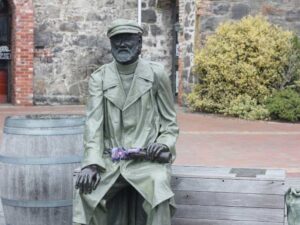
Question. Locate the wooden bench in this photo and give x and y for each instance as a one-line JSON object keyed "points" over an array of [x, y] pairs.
{"points": [[228, 196]]}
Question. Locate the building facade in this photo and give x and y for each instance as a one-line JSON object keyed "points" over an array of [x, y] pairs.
{"points": [[48, 49]]}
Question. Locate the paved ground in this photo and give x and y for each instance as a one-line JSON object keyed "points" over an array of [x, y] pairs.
{"points": [[210, 140], [218, 141]]}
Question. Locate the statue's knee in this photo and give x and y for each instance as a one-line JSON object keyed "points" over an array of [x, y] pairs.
{"points": [[159, 177]]}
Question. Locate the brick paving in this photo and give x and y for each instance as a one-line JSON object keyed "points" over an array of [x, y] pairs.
{"points": [[210, 140]]}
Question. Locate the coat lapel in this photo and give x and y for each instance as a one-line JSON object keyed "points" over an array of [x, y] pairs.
{"points": [[112, 86], [142, 82]]}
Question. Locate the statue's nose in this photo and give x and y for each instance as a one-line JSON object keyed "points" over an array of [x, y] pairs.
{"points": [[122, 44]]}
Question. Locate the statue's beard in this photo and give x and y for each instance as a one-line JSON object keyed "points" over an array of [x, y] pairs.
{"points": [[126, 55]]}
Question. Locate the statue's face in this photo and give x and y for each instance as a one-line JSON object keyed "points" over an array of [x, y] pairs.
{"points": [[126, 47]]}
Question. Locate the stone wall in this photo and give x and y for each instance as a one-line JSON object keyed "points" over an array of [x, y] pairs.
{"points": [[157, 40], [71, 42], [210, 13], [70, 39], [187, 12], [285, 13]]}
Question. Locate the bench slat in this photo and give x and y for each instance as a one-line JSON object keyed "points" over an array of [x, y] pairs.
{"points": [[184, 221], [219, 172], [224, 185], [229, 199], [229, 213]]}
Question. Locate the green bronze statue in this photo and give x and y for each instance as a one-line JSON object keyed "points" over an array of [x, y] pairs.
{"points": [[129, 139]]}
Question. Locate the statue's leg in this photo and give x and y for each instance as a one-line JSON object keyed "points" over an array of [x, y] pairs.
{"points": [[137, 215], [99, 217], [113, 207], [160, 215]]}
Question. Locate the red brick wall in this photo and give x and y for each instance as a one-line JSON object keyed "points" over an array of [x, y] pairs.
{"points": [[22, 51]]}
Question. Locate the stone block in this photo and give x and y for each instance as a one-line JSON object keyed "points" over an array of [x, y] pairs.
{"points": [[47, 59], [187, 36], [42, 71], [187, 8], [84, 86], [39, 87], [56, 38], [187, 61], [56, 100], [297, 28], [131, 4], [155, 30], [42, 27], [52, 11], [74, 90], [103, 48], [240, 10], [58, 87], [146, 30], [191, 79], [293, 16], [85, 41], [221, 8], [109, 2], [42, 39], [57, 49], [149, 16], [189, 48], [47, 39], [209, 23], [152, 3], [186, 22], [69, 27], [95, 17], [185, 74]]}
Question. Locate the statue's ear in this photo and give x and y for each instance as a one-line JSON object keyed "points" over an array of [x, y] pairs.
{"points": [[140, 41]]}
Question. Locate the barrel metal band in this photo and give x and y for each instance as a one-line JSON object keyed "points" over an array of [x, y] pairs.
{"points": [[42, 132], [41, 160], [49, 123], [36, 203]]}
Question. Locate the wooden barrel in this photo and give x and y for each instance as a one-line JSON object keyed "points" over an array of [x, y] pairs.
{"points": [[37, 159], [3, 86]]}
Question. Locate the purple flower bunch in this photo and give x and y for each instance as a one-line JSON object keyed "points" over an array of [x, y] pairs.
{"points": [[120, 153]]}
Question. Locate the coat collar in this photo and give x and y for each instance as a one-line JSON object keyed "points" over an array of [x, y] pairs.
{"points": [[113, 88]]}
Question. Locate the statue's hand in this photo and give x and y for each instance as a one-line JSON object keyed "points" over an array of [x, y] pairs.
{"points": [[154, 150], [88, 179]]}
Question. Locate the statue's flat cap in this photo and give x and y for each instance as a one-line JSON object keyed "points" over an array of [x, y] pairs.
{"points": [[120, 26]]}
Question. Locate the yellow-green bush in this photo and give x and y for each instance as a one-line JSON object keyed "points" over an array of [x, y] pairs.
{"points": [[242, 63]]}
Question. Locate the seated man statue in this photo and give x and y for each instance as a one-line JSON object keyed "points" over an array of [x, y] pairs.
{"points": [[129, 139]]}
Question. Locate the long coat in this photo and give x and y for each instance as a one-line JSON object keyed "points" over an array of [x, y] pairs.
{"points": [[146, 115]]}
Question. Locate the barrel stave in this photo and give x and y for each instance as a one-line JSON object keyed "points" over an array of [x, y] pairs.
{"points": [[36, 167]]}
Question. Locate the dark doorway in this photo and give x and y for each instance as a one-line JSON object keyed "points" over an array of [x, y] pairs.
{"points": [[5, 51]]}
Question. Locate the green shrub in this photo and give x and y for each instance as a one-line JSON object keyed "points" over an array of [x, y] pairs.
{"points": [[247, 108], [292, 72], [284, 105], [243, 63]]}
